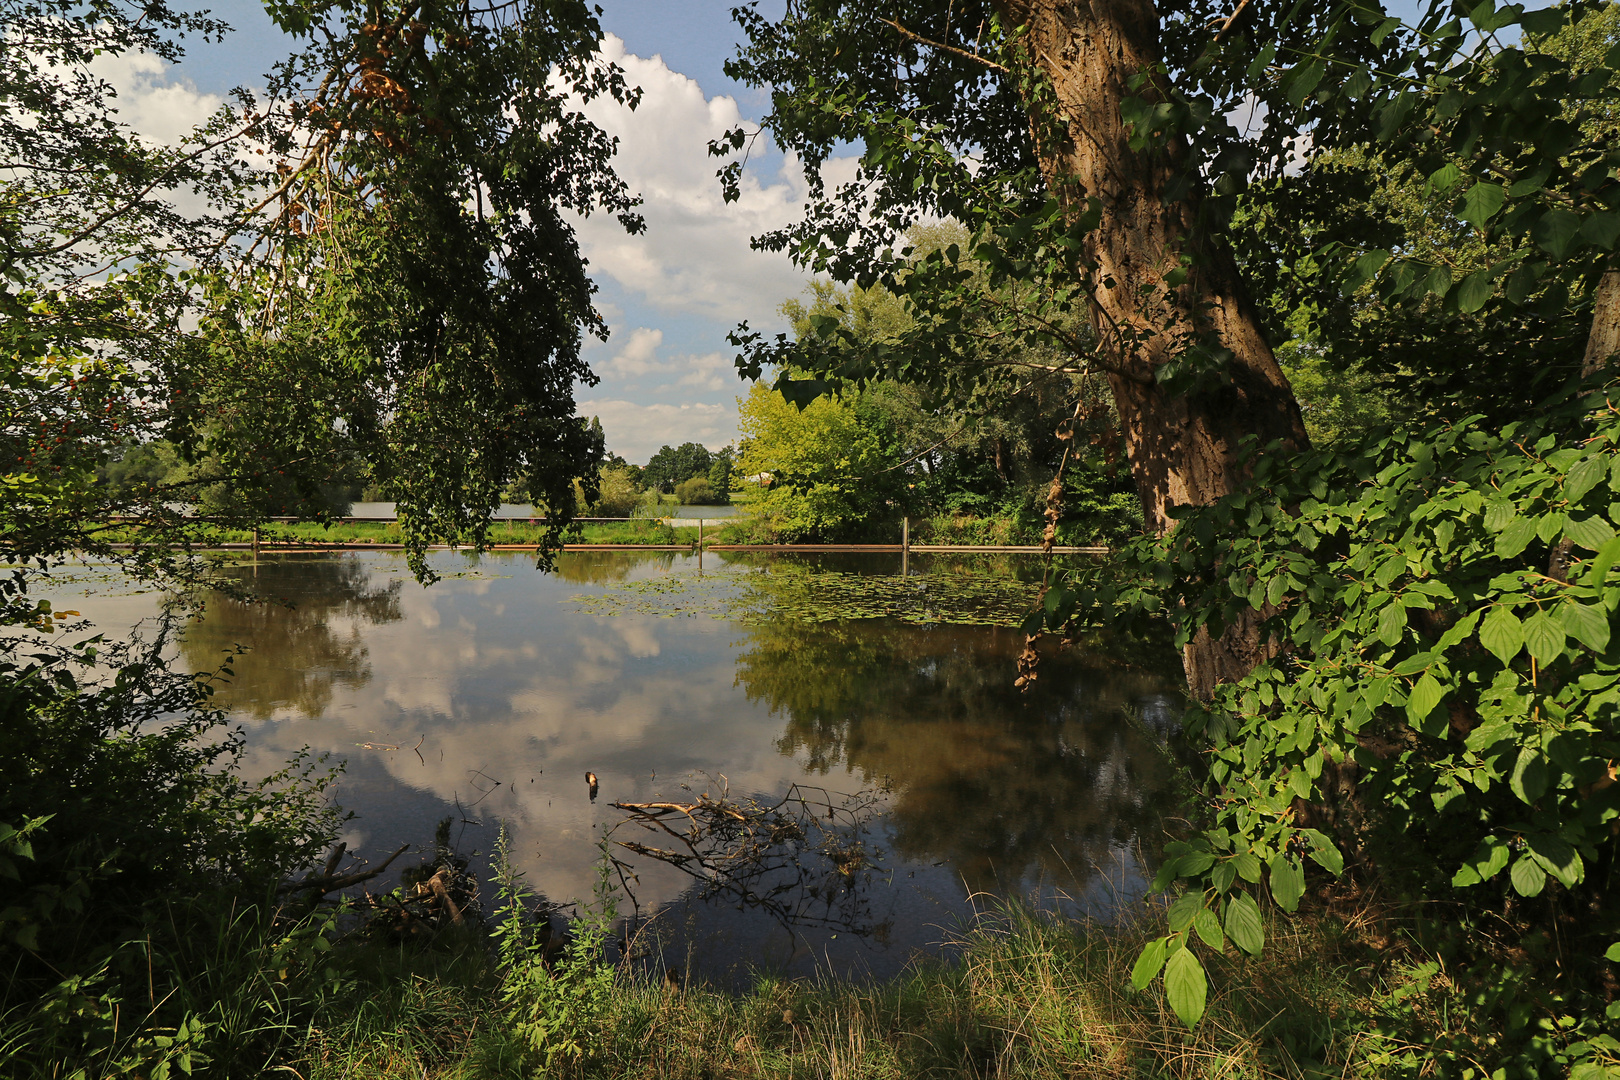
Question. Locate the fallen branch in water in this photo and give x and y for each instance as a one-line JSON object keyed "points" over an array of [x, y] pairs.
{"points": [[799, 858], [329, 882]]}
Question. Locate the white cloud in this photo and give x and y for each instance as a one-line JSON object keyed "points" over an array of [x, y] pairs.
{"points": [[161, 109], [637, 431], [637, 359], [694, 256], [638, 355]]}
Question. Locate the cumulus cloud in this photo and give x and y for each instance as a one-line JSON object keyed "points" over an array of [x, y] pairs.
{"points": [[637, 431], [637, 356], [694, 256], [637, 361], [162, 109]]}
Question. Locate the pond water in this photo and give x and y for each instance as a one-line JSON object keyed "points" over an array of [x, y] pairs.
{"points": [[487, 697]]}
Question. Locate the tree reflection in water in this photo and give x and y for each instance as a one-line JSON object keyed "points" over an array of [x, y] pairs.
{"points": [[1004, 786], [303, 639]]}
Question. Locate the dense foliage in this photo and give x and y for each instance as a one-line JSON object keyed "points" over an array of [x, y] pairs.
{"points": [[132, 850], [1439, 706]]}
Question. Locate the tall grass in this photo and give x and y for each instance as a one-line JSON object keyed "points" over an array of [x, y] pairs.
{"points": [[1029, 996]]}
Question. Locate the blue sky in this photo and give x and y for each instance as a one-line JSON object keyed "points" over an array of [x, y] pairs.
{"points": [[670, 296]]}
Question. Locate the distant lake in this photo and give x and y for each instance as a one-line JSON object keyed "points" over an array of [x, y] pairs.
{"points": [[488, 696], [514, 510]]}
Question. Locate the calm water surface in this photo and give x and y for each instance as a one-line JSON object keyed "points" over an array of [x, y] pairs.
{"points": [[486, 697]]}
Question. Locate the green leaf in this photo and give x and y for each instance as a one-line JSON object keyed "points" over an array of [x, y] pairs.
{"points": [[1544, 638], [1502, 633], [1366, 268], [1248, 866], [1391, 623], [1148, 964], [1585, 476], [1325, 852], [1516, 537], [1527, 877], [1423, 698], [1481, 203], [1590, 533], [1529, 777], [1555, 232], [1557, 857], [1445, 178], [1302, 79], [1187, 905], [1244, 926], [1299, 782], [1612, 953], [1601, 229], [1483, 869], [1287, 882], [1586, 623], [1209, 929], [1597, 573], [1186, 986], [1473, 291], [1542, 21]]}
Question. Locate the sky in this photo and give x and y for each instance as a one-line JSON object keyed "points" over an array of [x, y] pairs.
{"points": [[669, 296]]}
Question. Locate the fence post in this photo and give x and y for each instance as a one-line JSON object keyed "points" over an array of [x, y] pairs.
{"points": [[255, 543], [905, 547]]}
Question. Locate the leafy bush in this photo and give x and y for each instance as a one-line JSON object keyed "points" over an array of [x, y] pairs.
{"points": [[137, 932], [618, 497], [1438, 697], [696, 492]]}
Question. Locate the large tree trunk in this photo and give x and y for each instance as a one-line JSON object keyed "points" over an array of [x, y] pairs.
{"points": [[1603, 342], [1183, 448]]}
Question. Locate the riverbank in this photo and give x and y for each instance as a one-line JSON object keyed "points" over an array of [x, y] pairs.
{"points": [[645, 533], [1030, 996]]}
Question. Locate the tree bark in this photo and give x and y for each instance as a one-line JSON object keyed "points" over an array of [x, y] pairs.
{"points": [[1604, 340], [1184, 448]]}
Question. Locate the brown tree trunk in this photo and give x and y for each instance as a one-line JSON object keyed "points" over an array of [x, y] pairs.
{"points": [[1183, 448], [1604, 340]]}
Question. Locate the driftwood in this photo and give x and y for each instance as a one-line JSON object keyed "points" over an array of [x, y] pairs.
{"points": [[329, 882], [800, 858]]}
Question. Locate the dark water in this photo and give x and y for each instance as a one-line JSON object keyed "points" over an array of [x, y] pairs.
{"points": [[488, 696]]}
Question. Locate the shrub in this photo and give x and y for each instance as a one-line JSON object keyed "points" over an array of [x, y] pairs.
{"points": [[696, 492], [1438, 696], [618, 497], [136, 932]]}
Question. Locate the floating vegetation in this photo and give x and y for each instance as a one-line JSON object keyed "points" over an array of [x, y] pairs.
{"points": [[798, 593]]}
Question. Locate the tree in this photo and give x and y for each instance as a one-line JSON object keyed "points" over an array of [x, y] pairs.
{"points": [[400, 287], [720, 474], [403, 262], [824, 472], [671, 466], [991, 451], [1092, 154]]}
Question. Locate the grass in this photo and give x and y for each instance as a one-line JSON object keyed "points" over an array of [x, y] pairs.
{"points": [[1030, 996], [944, 529]]}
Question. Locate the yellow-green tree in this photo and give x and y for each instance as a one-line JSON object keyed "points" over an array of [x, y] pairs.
{"points": [[827, 472]]}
